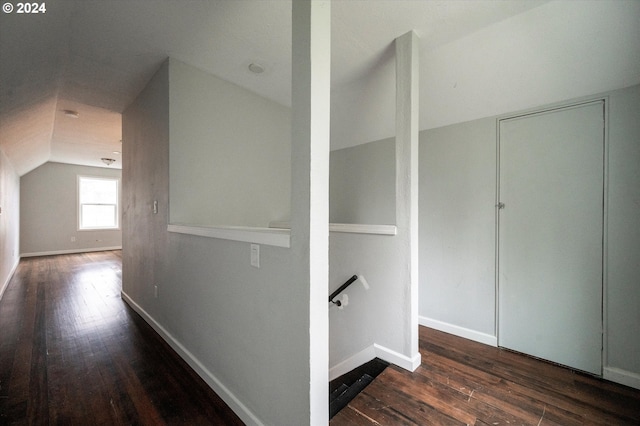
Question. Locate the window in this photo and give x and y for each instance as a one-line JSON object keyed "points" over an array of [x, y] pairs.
{"points": [[98, 203]]}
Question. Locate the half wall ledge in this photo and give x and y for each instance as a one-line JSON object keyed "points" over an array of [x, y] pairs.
{"points": [[267, 236], [352, 228], [278, 234]]}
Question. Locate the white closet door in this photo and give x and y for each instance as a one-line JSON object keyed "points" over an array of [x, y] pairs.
{"points": [[551, 188]]}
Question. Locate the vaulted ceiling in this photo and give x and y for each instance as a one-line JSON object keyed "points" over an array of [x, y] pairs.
{"points": [[94, 57]]}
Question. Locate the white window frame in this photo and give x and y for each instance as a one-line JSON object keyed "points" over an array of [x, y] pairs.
{"points": [[117, 205]]}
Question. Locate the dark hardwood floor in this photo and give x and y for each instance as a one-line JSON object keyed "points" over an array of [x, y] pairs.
{"points": [[73, 353], [461, 382]]}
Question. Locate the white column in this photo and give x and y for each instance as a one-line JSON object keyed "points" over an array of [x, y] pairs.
{"points": [[311, 85], [407, 74]]}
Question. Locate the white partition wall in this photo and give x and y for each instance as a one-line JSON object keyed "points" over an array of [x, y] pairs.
{"points": [[381, 317], [310, 186], [257, 335]]}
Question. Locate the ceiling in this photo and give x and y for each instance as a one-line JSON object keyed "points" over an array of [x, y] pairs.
{"points": [[94, 57]]}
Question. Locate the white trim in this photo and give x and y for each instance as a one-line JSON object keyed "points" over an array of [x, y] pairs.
{"points": [[623, 377], [355, 228], [8, 280], [71, 251], [605, 238], [353, 362], [229, 398], [352, 228], [496, 248], [371, 352], [267, 236], [280, 224], [401, 360], [463, 332]]}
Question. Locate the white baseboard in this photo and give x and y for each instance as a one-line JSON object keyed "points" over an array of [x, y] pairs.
{"points": [[6, 282], [371, 352], [402, 361], [466, 333], [354, 361], [246, 415], [72, 251], [623, 377]]}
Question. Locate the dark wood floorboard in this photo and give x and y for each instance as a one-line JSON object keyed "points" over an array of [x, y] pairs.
{"points": [[461, 382], [73, 353]]}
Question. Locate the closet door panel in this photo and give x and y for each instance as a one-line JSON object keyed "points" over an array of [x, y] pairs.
{"points": [[550, 235]]}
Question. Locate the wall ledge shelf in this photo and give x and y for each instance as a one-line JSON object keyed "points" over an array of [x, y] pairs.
{"points": [[268, 236], [278, 234], [352, 228]]}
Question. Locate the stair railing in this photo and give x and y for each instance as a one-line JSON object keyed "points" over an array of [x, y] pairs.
{"points": [[341, 289]]}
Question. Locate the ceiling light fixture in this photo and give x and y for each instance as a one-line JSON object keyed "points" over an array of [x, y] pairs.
{"points": [[71, 113], [256, 68], [108, 161], [116, 152]]}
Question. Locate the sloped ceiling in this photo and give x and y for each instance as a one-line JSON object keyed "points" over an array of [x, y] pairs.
{"points": [[94, 57]]}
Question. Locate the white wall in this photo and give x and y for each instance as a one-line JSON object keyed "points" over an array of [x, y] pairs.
{"points": [[145, 178], [457, 233], [258, 336], [560, 50], [374, 322], [457, 241], [362, 184], [9, 221], [230, 152], [49, 211], [382, 321], [622, 321], [457, 227], [250, 332]]}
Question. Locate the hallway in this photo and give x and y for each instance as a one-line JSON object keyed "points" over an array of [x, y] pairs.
{"points": [[72, 352]]}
